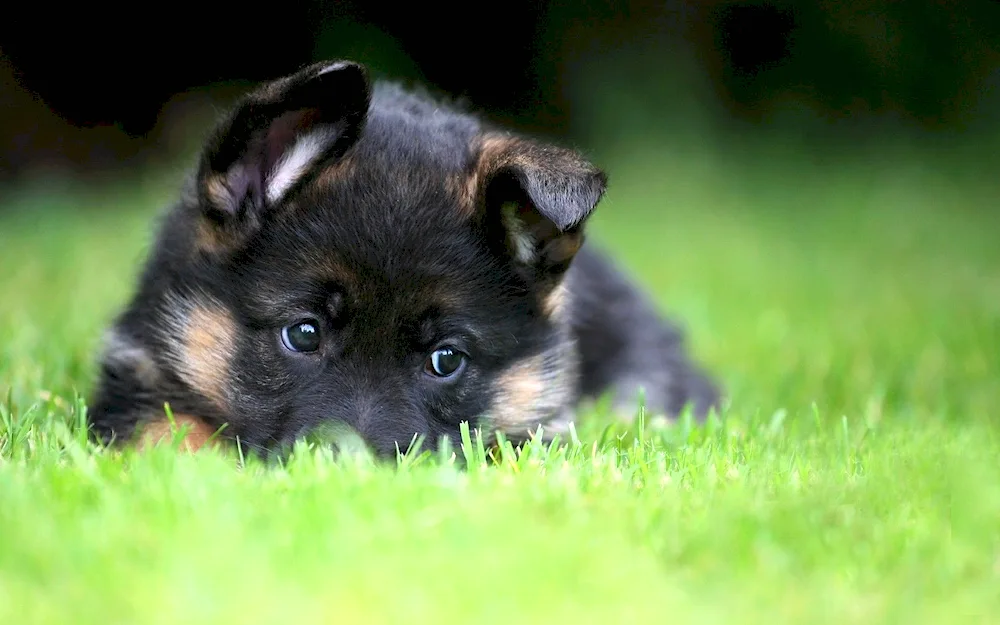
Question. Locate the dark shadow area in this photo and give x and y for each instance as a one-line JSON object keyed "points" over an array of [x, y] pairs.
{"points": [[101, 89]]}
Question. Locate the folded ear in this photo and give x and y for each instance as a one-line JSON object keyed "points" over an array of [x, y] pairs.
{"points": [[536, 199], [275, 136]]}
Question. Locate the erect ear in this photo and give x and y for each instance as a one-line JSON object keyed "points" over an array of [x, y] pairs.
{"points": [[536, 198], [275, 136]]}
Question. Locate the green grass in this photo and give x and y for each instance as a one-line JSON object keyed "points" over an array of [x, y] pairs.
{"points": [[852, 311]]}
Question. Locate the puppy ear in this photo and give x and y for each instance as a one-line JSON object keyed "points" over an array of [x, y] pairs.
{"points": [[276, 135], [536, 199]]}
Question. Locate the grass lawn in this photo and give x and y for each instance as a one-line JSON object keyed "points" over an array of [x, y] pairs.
{"points": [[852, 312]]}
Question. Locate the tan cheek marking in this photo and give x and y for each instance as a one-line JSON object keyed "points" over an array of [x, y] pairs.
{"points": [[534, 391], [519, 390], [201, 337], [208, 351], [197, 436]]}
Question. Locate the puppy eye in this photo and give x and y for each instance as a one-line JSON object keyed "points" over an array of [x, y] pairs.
{"points": [[445, 362], [301, 337]]}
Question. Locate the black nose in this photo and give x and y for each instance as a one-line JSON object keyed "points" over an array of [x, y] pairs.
{"points": [[338, 435], [385, 426]]}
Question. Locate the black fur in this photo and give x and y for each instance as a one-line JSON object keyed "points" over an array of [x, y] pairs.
{"points": [[380, 244]]}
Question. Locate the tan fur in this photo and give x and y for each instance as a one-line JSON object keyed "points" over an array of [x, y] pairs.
{"points": [[535, 391], [217, 191], [459, 188], [563, 248], [198, 432], [341, 169], [493, 152], [208, 239], [499, 150], [208, 348], [202, 336], [555, 303], [496, 150], [520, 390], [328, 268]]}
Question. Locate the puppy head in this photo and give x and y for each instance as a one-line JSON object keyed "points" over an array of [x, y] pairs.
{"points": [[368, 257]]}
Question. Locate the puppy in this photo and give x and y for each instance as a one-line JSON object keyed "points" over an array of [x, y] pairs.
{"points": [[358, 254]]}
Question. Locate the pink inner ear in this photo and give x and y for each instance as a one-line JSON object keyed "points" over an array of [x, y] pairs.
{"points": [[282, 133], [246, 177]]}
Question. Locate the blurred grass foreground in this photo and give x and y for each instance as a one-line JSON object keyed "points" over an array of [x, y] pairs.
{"points": [[848, 300]]}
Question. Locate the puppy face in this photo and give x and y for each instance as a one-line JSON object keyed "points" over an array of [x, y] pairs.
{"points": [[366, 258]]}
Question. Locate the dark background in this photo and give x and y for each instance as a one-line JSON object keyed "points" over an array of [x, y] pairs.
{"points": [[89, 88]]}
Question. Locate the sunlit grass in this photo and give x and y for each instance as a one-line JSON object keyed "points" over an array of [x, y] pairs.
{"points": [[851, 312]]}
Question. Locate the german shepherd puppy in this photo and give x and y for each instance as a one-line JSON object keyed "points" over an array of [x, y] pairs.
{"points": [[365, 255]]}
